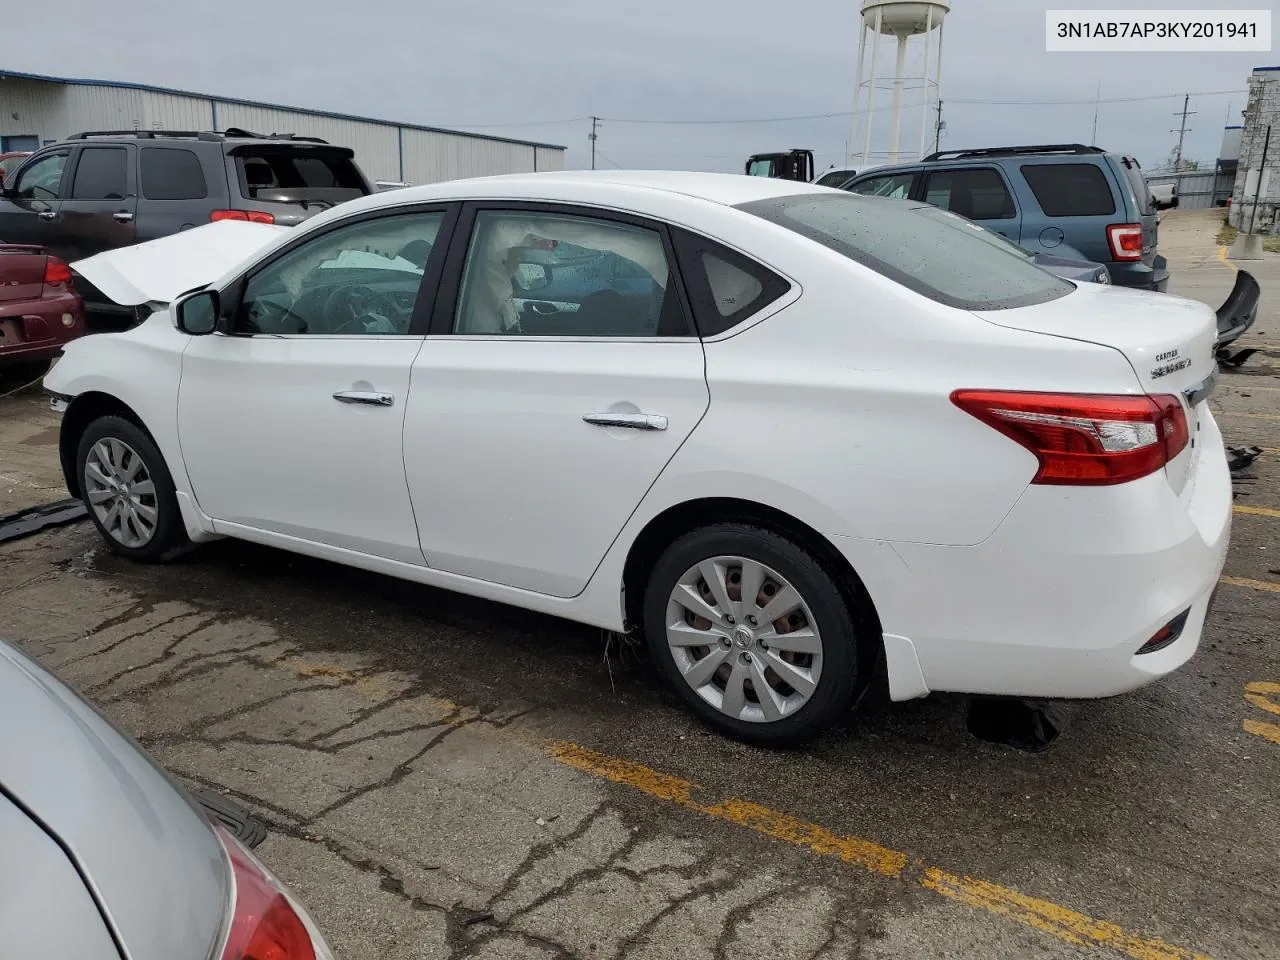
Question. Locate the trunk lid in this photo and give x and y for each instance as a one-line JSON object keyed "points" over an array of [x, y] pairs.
{"points": [[21, 272], [1169, 342]]}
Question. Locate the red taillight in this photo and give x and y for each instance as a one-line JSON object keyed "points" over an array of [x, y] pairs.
{"points": [[56, 273], [264, 924], [1085, 439], [253, 216], [1125, 240]]}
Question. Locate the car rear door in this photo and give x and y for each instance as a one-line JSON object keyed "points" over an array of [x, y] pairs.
{"points": [[532, 434], [101, 205], [981, 194], [29, 208], [178, 188]]}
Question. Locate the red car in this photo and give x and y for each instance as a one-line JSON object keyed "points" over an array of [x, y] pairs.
{"points": [[39, 310], [10, 162]]}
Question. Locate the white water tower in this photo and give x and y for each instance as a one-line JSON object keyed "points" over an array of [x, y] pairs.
{"points": [[902, 20]]}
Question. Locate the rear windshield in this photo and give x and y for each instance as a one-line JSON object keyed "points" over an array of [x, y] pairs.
{"points": [[282, 174], [946, 260], [1138, 184]]}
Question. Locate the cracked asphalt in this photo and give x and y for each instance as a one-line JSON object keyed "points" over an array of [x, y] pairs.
{"points": [[447, 778]]}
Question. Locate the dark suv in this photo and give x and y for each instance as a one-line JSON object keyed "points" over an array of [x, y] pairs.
{"points": [[1066, 200], [98, 191]]}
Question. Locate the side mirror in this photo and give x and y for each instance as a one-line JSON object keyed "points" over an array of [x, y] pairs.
{"points": [[197, 315], [532, 276]]}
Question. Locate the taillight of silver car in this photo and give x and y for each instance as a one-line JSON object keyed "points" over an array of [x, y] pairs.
{"points": [[1085, 439], [266, 922]]}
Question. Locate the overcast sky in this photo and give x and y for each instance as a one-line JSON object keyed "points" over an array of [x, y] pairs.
{"points": [[507, 64]]}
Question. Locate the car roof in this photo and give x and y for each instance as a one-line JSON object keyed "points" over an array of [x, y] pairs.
{"points": [[728, 189]]}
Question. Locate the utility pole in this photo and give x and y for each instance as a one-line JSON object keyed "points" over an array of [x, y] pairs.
{"points": [[1181, 132], [937, 129], [595, 122]]}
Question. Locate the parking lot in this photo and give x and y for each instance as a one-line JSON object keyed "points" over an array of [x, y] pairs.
{"points": [[448, 778]]}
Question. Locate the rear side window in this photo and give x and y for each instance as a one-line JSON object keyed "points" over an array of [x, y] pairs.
{"points": [[835, 178], [169, 174], [1070, 189], [725, 287], [951, 264], [282, 172], [101, 174], [976, 194]]}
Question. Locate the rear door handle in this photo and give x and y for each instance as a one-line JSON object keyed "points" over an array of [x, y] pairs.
{"points": [[633, 421], [370, 397], [124, 216], [47, 214]]}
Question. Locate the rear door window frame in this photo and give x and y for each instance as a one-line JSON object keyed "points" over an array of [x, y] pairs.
{"points": [[451, 282], [922, 186]]}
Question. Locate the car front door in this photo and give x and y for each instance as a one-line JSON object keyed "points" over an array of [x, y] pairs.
{"points": [[537, 423], [99, 210], [291, 417], [978, 193], [29, 207]]}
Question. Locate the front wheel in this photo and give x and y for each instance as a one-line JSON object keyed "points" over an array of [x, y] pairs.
{"points": [[752, 633], [128, 490]]}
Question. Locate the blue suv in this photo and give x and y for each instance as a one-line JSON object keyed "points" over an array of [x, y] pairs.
{"points": [[1065, 200]]}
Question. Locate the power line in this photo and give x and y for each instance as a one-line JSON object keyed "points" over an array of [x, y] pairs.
{"points": [[842, 114]]}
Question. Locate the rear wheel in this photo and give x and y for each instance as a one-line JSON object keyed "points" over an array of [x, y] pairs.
{"points": [[128, 490], [752, 633]]}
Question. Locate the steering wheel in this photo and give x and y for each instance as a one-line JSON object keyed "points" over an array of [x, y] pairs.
{"points": [[347, 307]]}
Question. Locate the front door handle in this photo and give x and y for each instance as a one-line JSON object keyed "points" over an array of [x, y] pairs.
{"points": [[634, 421], [370, 397], [124, 216], [47, 214]]}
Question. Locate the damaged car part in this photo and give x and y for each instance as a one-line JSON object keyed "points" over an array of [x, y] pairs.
{"points": [[26, 522]]}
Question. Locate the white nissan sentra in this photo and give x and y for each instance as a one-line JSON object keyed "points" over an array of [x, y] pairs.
{"points": [[803, 440]]}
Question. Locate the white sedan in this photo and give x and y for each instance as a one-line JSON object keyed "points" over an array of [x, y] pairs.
{"points": [[805, 441]]}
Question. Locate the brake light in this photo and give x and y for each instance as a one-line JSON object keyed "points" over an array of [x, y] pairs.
{"points": [[1085, 439], [253, 216], [56, 273], [264, 924], [1125, 240]]}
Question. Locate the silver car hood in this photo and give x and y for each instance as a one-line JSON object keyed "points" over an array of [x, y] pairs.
{"points": [[150, 857]]}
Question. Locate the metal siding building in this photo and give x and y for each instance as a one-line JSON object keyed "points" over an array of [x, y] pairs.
{"points": [[47, 109]]}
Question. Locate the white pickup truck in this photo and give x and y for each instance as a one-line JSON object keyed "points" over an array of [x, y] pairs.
{"points": [[1164, 195]]}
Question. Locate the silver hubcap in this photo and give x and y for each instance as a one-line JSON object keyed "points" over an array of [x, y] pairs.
{"points": [[744, 639], [121, 492]]}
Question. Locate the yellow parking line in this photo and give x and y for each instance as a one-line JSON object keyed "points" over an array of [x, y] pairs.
{"points": [[1057, 921], [1256, 511], [1268, 731], [1251, 584], [1222, 255]]}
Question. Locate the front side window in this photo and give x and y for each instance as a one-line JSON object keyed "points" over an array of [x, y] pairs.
{"points": [[977, 194], [895, 186], [554, 275], [1070, 189], [932, 257], [41, 180], [359, 280], [101, 174]]}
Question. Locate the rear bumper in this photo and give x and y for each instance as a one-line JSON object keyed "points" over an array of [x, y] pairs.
{"points": [[1058, 601], [1140, 276], [37, 329]]}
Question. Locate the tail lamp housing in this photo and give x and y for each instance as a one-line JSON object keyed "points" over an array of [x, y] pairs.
{"points": [[266, 923], [253, 216], [1125, 241], [56, 273], [1085, 439]]}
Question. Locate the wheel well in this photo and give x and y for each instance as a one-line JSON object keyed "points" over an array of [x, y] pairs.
{"points": [[668, 526], [82, 411]]}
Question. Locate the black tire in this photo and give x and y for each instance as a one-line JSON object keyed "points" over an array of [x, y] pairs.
{"points": [[837, 624], [170, 532]]}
